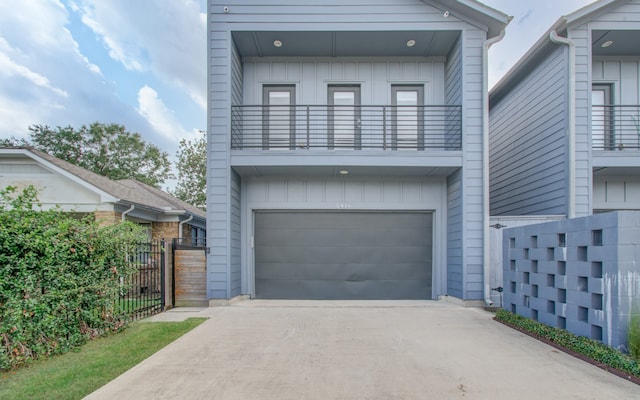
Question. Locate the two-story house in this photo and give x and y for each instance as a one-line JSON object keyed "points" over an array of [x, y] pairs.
{"points": [[565, 121], [348, 148]]}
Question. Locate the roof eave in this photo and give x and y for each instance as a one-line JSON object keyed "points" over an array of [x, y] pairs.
{"points": [[105, 197], [492, 20]]}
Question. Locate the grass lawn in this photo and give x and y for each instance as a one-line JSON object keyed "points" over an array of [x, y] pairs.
{"points": [[76, 374]]}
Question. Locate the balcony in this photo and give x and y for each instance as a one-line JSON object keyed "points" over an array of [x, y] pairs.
{"points": [[615, 127], [386, 128]]}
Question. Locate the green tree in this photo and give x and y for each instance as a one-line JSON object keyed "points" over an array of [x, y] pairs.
{"points": [[192, 172], [106, 149]]}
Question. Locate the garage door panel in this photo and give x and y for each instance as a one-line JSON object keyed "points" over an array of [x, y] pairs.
{"points": [[336, 255], [344, 236], [346, 255], [348, 272], [344, 290]]}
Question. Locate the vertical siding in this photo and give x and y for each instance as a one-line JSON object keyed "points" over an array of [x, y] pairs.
{"points": [[311, 78], [455, 246], [528, 128], [624, 74]]}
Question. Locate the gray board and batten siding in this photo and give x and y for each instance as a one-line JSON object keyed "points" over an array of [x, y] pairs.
{"points": [[453, 78]]}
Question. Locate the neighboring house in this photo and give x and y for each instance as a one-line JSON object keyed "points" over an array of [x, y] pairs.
{"points": [[347, 149], [82, 192], [565, 121]]}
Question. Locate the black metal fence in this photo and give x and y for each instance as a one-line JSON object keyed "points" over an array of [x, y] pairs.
{"points": [[615, 127], [142, 293], [386, 127]]}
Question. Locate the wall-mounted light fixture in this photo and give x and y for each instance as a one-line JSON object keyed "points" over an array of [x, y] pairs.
{"points": [[411, 42], [277, 43]]}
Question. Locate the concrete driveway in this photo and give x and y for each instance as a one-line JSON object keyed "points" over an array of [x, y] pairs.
{"points": [[358, 350]]}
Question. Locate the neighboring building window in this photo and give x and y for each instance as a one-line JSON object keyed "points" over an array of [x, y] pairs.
{"points": [[344, 116], [408, 116], [279, 117], [602, 112]]}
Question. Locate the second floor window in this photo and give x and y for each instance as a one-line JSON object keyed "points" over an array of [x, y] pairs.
{"points": [[408, 118], [344, 116], [278, 117]]}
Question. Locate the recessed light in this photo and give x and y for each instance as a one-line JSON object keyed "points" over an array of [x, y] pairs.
{"points": [[277, 43], [606, 44], [411, 43], [344, 172]]}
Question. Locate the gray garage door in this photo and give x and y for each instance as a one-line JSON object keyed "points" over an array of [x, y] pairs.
{"points": [[343, 255]]}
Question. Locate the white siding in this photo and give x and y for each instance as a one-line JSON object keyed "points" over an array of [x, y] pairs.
{"points": [[528, 137]]}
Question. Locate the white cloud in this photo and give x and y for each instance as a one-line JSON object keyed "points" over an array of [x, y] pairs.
{"points": [[45, 78], [167, 38], [11, 69], [153, 109]]}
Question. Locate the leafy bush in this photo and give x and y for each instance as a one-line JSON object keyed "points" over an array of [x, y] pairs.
{"points": [[633, 336], [579, 344], [59, 277]]}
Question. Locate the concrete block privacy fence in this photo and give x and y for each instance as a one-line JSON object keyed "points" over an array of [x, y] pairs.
{"points": [[582, 275]]}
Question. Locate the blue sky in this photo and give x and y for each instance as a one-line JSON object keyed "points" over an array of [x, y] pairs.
{"points": [[142, 63]]}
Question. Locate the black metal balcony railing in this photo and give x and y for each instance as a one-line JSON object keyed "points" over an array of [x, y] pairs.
{"points": [[615, 127], [346, 127]]}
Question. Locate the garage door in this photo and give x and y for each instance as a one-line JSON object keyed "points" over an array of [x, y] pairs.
{"points": [[343, 255]]}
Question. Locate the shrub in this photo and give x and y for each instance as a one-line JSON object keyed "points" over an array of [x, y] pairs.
{"points": [[633, 336], [578, 344], [59, 277]]}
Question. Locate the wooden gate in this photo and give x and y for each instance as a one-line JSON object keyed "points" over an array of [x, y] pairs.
{"points": [[189, 272]]}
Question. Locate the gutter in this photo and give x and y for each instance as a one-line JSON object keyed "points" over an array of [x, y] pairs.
{"points": [[180, 227], [571, 159], [124, 214], [485, 166]]}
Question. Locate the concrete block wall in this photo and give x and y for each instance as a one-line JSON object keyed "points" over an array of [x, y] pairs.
{"points": [[582, 274]]}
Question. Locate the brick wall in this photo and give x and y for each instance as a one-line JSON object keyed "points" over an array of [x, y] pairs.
{"points": [[164, 230], [107, 217]]}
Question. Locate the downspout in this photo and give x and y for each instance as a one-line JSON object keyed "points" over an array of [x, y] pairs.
{"points": [[571, 190], [124, 214], [485, 166], [180, 227]]}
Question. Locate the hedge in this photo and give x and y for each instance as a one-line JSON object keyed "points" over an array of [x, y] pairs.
{"points": [[59, 277]]}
